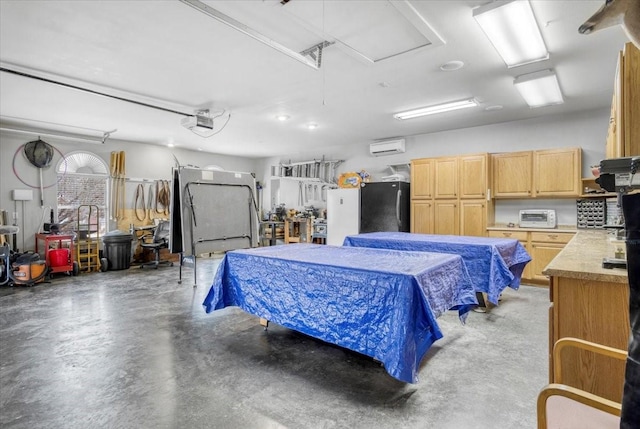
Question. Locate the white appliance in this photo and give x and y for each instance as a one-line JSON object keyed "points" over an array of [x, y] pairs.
{"points": [[387, 147], [343, 214], [397, 177], [537, 218]]}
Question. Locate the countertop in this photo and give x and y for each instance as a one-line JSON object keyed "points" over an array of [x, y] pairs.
{"points": [[582, 258], [505, 227]]}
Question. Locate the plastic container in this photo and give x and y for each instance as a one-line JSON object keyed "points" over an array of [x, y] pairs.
{"points": [[26, 273], [117, 250], [59, 257]]}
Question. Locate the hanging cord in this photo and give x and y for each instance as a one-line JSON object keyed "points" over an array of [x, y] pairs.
{"points": [[113, 168], [158, 191], [121, 171], [139, 198], [167, 197], [150, 203], [163, 194]]}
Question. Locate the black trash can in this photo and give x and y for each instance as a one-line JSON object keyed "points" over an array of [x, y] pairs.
{"points": [[117, 249]]}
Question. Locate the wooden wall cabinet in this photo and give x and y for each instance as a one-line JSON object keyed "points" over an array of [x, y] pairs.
{"points": [[449, 195], [422, 178], [512, 174], [614, 147], [623, 138], [557, 172], [446, 177], [553, 173], [474, 176]]}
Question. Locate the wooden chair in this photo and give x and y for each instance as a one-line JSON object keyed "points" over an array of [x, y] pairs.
{"points": [[562, 406]]}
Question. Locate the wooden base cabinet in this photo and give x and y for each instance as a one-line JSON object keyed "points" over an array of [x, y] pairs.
{"points": [[446, 217], [541, 255], [422, 216], [543, 246], [594, 311], [523, 238], [473, 217], [451, 217], [590, 303]]}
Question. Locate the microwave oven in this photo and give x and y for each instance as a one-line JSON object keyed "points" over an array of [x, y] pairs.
{"points": [[537, 218]]}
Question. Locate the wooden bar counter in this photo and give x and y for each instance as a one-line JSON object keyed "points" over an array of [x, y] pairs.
{"points": [[591, 303]]}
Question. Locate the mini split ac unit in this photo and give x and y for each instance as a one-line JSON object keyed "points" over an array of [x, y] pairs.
{"points": [[388, 147]]}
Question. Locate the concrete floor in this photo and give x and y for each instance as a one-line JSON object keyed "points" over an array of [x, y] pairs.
{"points": [[135, 349]]}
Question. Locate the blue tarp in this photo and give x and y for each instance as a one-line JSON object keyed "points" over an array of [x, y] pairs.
{"points": [[493, 263], [381, 303]]}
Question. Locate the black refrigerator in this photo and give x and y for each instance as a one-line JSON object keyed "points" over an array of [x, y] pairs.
{"points": [[384, 206]]}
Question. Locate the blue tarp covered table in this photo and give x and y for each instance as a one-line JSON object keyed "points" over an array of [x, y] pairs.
{"points": [[381, 303], [493, 263]]}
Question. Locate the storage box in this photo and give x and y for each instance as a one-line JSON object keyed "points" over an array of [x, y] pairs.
{"points": [[59, 257]]}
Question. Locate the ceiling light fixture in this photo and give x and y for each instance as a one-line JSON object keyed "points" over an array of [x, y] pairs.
{"points": [[539, 89], [312, 126], [513, 31], [282, 117], [493, 107], [452, 65], [438, 108]]}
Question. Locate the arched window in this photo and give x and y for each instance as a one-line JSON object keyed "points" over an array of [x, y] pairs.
{"points": [[83, 179]]}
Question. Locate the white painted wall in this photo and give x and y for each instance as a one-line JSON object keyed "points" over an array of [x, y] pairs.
{"points": [[586, 129], [143, 161]]}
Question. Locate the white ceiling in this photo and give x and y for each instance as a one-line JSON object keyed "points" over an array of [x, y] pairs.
{"points": [[170, 55]]}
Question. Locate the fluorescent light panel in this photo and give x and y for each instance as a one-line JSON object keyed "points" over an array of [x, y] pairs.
{"points": [[512, 29], [539, 89], [438, 108]]}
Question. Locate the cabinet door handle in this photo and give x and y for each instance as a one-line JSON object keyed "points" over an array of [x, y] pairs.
{"points": [[507, 234], [552, 236]]}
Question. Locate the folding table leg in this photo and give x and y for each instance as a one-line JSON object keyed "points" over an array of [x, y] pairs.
{"points": [[264, 322]]}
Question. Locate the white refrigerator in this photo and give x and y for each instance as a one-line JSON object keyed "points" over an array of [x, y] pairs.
{"points": [[343, 214]]}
